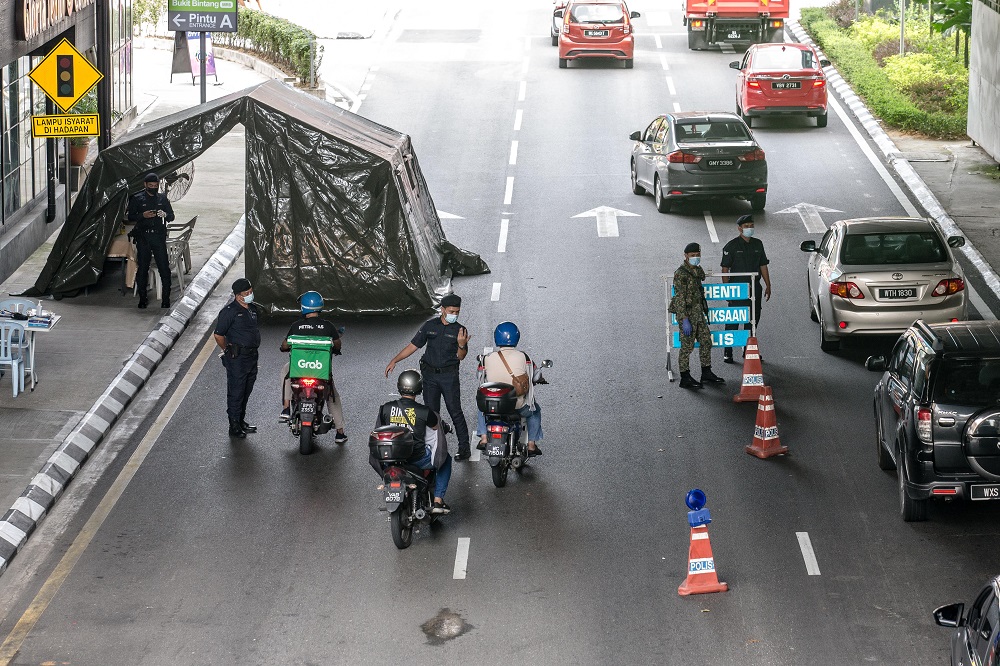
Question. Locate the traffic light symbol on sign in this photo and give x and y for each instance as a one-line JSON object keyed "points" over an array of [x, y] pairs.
{"points": [[64, 74]]}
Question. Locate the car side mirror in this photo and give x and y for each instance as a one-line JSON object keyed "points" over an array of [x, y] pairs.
{"points": [[558, 13], [824, 62], [734, 64], [950, 615], [875, 363], [635, 15], [956, 241], [546, 363], [808, 246], [635, 136]]}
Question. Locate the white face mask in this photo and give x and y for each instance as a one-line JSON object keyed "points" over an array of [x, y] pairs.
{"points": [[248, 299], [451, 318], [748, 232], [694, 261]]}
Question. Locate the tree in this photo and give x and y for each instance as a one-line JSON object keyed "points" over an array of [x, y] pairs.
{"points": [[147, 13], [957, 15]]}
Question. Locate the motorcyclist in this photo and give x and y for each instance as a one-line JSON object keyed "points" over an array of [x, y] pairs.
{"points": [[311, 303], [505, 338], [426, 427]]}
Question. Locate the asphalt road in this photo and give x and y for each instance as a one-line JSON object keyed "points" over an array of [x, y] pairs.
{"points": [[246, 552]]}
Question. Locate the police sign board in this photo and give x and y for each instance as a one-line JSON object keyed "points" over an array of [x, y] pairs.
{"points": [[65, 75], [201, 15], [737, 315], [725, 291], [719, 339], [69, 125]]}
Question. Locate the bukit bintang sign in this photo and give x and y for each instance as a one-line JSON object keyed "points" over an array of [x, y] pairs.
{"points": [[36, 16]]}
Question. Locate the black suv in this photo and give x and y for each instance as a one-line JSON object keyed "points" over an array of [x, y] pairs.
{"points": [[937, 413]]}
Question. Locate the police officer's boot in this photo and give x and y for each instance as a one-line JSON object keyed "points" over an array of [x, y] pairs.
{"points": [[689, 382], [247, 427], [709, 377], [727, 355], [236, 430]]}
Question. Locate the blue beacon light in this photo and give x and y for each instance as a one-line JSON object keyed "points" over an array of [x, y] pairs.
{"points": [[698, 515]]}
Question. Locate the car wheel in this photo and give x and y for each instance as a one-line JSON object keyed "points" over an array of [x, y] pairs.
{"points": [[555, 40], [563, 62], [747, 119], [628, 63], [821, 120], [885, 461], [911, 510], [758, 201], [662, 203], [825, 343], [636, 187]]}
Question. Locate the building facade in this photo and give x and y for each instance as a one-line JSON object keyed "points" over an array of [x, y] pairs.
{"points": [[31, 180], [984, 76]]}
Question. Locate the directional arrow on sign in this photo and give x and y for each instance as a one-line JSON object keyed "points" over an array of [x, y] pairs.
{"points": [[178, 20], [810, 216], [607, 219]]}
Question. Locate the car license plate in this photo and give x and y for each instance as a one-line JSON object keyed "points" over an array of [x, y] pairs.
{"points": [[716, 164], [786, 85], [897, 293], [986, 492], [307, 408], [595, 33], [495, 451]]}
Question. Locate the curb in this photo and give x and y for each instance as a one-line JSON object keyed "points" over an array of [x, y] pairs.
{"points": [[41, 494], [892, 156]]}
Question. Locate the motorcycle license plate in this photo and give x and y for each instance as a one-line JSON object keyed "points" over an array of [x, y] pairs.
{"points": [[307, 408], [394, 494], [494, 450]]}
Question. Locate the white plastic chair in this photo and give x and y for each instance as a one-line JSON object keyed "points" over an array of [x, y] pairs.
{"points": [[18, 304], [14, 352]]}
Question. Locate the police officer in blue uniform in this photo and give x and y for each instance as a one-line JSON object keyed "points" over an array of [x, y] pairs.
{"points": [[745, 254], [447, 343], [150, 211], [238, 336]]}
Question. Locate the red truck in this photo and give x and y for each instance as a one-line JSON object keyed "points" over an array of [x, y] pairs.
{"points": [[713, 22]]}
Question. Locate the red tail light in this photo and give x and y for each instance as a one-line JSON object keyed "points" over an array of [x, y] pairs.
{"points": [[495, 428], [846, 290], [752, 156], [924, 426], [697, 24], [753, 83], [493, 392], [777, 23], [949, 287], [388, 435], [680, 157], [819, 83], [627, 28], [944, 491], [395, 473], [307, 382]]}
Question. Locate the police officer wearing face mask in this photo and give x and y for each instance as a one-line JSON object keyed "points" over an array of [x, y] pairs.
{"points": [[150, 211], [237, 335], [447, 344], [745, 254]]}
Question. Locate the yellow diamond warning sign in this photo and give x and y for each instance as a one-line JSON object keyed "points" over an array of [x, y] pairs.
{"points": [[70, 125], [65, 75]]}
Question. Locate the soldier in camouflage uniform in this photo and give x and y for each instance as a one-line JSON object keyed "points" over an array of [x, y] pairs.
{"points": [[691, 308]]}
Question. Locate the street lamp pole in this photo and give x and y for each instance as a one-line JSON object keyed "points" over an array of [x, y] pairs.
{"points": [[103, 49]]}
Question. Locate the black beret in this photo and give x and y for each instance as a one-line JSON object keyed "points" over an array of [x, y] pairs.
{"points": [[241, 285], [692, 247], [151, 178], [744, 219], [451, 301]]}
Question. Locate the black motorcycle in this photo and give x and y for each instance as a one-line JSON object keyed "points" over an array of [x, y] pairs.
{"points": [[408, 490]]}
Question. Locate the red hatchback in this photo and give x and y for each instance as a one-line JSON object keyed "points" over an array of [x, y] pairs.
{"points": [[596, 30], [781, 79]]}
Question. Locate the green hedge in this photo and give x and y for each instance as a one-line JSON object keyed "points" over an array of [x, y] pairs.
{"points": [[274, 39], [892, 102]]}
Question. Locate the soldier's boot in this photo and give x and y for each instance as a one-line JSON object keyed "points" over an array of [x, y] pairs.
{"points": [[709, 377], [689, 382]]}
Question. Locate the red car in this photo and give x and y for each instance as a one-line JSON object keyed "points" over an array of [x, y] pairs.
{"points": [[595, 29], [781, 79]]}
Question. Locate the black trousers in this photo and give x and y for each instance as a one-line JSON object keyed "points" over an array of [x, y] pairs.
{"points": [[438, 384], [241, 373], [759, 296], [150, 245]]}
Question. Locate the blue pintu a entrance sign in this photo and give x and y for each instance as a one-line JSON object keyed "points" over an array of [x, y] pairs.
{"points": [[720, 339]]}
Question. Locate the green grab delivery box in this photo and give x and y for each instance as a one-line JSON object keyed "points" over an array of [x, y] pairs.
{"points": [[310, 356]]}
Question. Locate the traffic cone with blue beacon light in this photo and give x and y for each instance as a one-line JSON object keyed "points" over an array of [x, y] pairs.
{"points": [[753, 374], [765, 432], [701, 578]]}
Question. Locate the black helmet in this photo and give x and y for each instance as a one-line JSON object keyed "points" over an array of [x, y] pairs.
{"points": [[410, 383]]}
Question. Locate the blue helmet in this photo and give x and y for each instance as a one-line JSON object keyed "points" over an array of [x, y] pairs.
{"points": [[506, 334], [311, 301]]}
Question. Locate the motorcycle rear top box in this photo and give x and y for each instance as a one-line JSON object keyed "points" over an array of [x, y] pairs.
{"points": [[392, 444], [310, 356], [496, 398]]}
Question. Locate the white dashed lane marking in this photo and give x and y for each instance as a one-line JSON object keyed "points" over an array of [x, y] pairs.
{"points": [[513, 153], [522, 90], [805, 545], [502, 243], [663, 61], [461, 558], [677, 107], [518, 117], [508, 194], [495, 296], [670, 85], [710, 223], [659, 42]]}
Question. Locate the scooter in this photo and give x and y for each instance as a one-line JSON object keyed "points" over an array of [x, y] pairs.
{"points": [[308, 397], [506, 430]]}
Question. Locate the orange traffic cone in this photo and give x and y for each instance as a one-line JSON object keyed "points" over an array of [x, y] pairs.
{"points": [[753, 374], [765, 432], [701, 578]]}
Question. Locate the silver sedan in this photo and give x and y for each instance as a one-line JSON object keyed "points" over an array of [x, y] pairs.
{"points": [[876, 275]]}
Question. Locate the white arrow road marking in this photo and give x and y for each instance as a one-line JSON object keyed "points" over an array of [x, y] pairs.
{"points": [[495, 296], [805, 545], [810, 216], [607, 220], [710, 223], [461, 558], [502, 244], [448, 216]]}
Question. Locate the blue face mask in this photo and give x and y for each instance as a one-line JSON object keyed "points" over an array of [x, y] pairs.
{"points": [[248, 299], [451, 318], [694, 261], [748, 232]]}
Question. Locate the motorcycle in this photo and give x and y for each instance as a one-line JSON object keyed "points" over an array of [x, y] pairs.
{"points": [[407, 489], [506, 430], [309, 395]]}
